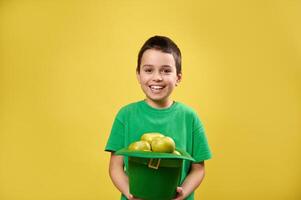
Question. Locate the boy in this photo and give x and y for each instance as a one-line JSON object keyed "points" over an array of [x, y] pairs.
{"points": [[159, 72]]}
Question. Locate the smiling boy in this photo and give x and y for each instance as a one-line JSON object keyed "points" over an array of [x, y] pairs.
{"points": [[158, 77], [159, 72]]}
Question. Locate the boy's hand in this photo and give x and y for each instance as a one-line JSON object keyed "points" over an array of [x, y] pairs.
{"points": [[131, 197], [180, 194]]}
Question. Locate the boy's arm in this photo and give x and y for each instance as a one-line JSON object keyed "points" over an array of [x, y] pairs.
{"points": [[192, 181], [118, 176]]}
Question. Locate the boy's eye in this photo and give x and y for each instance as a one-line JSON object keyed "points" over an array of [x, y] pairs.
{"points": [[166, 71], [148, 70]]}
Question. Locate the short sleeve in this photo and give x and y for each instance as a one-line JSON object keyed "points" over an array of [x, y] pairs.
{"points": [[201, 150], [116, 138]]}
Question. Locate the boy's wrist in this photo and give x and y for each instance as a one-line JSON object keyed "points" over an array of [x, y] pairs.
{"points": [[181, 193], [128, 196], [184, 193]]}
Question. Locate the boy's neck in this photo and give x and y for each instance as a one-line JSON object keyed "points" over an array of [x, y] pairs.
{"points": [[159, 104]]}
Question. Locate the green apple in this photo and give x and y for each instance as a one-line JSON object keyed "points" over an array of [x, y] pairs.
{"points": [[140, 146], [176, 152], [163, 145], [150, 136]]}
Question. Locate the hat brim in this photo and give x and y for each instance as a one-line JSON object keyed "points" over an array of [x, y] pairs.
{"points": [[149, 154]]}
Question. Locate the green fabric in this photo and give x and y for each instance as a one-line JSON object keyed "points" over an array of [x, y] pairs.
{"points": [[148, 154], [179, 122]]}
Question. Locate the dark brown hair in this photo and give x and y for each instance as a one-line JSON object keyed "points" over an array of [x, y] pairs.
{"points": [[164, 44]]}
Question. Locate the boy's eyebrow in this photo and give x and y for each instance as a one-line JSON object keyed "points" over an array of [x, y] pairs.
{"points": [[167, 66], [149, 65]]}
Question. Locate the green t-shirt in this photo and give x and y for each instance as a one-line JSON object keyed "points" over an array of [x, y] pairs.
{"points": [[178, 121]]}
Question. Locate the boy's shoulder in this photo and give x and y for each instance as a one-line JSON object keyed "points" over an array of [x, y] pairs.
{"points": [[129, 107], [186, 108]]}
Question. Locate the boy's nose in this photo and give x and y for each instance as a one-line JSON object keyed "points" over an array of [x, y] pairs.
{"points": [[157, 77]]}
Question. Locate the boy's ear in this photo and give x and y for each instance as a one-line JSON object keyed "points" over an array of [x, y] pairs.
{"points": [[179, 79]]}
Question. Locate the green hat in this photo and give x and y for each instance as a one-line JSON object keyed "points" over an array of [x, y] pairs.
{"points": [[153, 175]]}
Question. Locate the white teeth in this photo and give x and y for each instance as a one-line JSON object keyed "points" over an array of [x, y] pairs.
{"points": [[156, 87]]}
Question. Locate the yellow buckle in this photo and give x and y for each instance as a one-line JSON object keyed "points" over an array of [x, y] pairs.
{"points": [[153, 164]]}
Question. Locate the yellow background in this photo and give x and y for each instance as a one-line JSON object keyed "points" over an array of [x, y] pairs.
{"points": [[66, 67]]}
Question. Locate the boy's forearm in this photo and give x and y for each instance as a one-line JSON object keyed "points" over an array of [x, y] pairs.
{"points": [[120, 180], [194, 178], [118, 176]]}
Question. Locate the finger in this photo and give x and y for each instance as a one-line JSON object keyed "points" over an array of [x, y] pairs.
{"points": [[179, 190], [131, 197], [179, 193]]}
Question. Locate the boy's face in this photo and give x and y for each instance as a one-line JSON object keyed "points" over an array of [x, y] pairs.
{"points": [[158, 76]]}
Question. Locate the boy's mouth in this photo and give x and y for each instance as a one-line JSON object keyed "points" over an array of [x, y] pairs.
{"points": [[156, 88]]}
